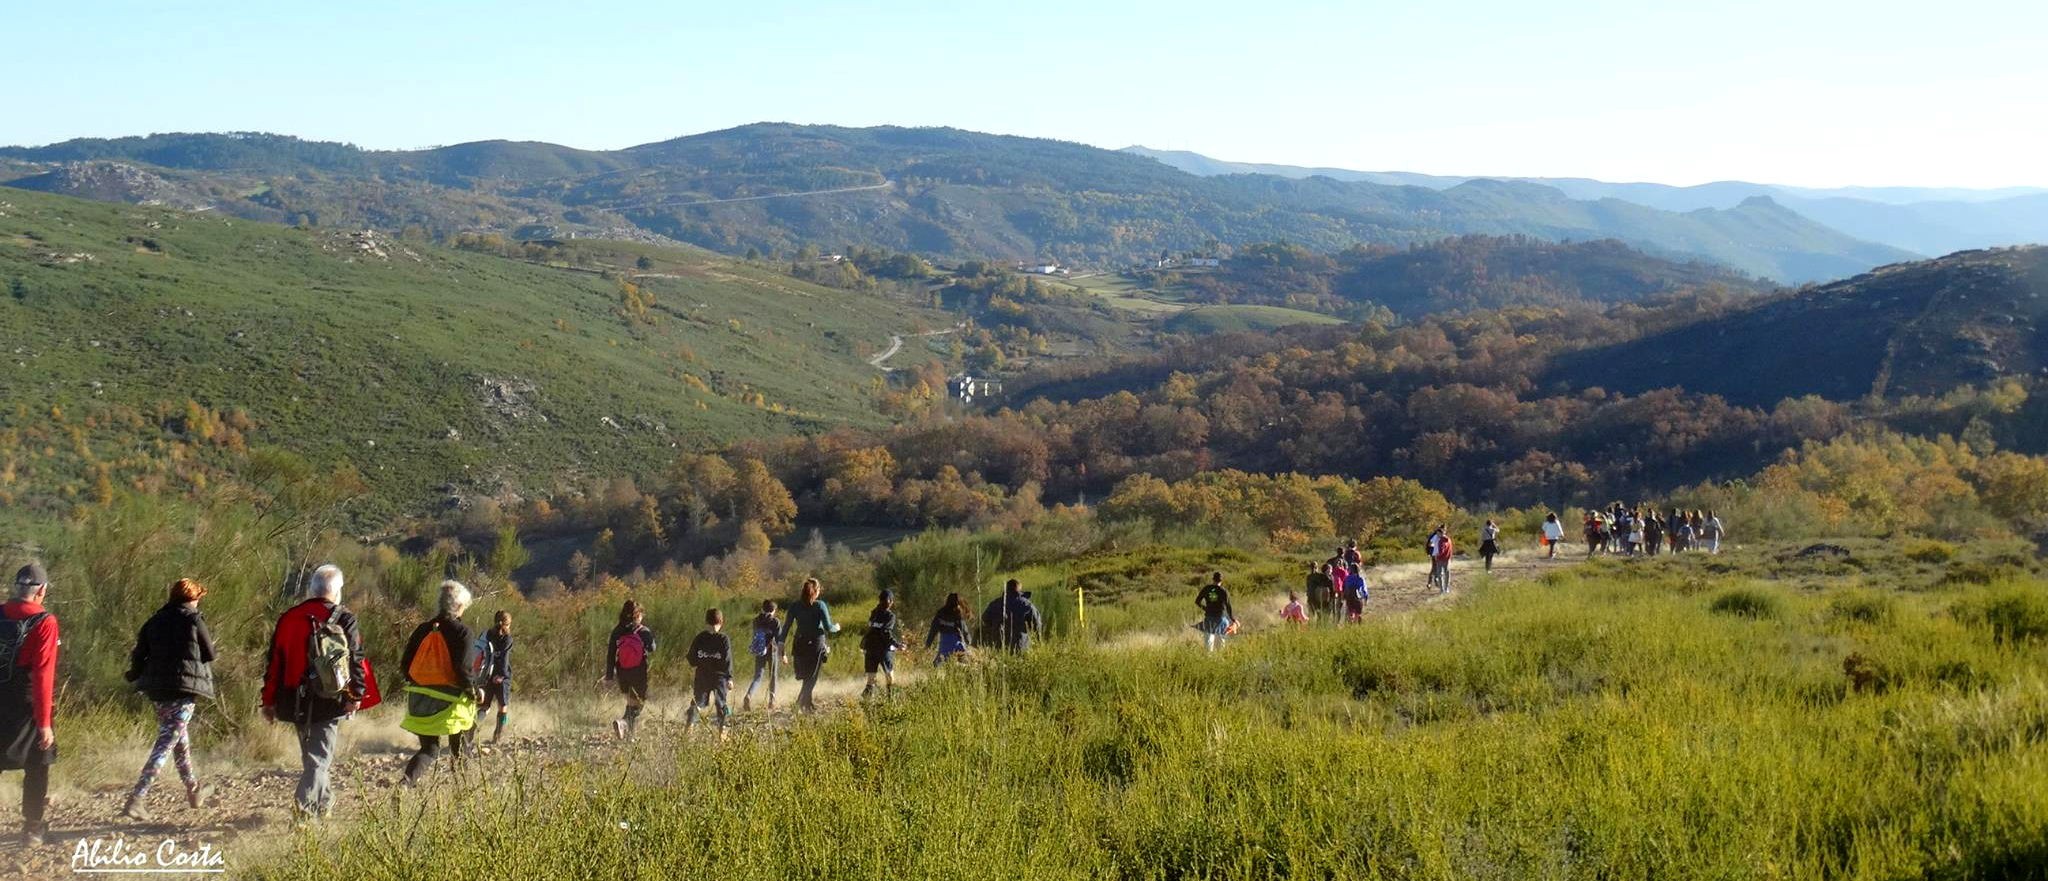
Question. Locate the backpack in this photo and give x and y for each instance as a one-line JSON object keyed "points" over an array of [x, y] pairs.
{"points": [[11, 638], [486, 658], [992, 617], [632, 651], [1354, 586], [763, 640], [328, 658], [1212, 600], [432, 663]]}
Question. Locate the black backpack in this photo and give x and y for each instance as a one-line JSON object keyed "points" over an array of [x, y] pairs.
{"points": [[12, 635]]}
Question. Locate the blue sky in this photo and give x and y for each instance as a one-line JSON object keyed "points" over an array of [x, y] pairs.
{"points": [[1812, 93]]}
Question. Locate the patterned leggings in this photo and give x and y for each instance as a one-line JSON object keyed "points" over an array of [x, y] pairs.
{"points": [[172, 719]]}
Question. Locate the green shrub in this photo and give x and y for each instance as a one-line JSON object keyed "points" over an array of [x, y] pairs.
{"points": [[1863, 607], [1930, 551], [2014, 614], [1747, 602]]}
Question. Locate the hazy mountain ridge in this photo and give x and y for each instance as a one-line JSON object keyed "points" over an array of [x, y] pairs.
{"points": [[942, 192], [1924, 220]]}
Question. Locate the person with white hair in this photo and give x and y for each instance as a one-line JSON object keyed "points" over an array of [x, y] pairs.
{"points": [[316, 677], [28, 674], [443, 668]]}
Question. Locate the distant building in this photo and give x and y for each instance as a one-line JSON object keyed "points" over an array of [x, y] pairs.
{"points": [[1042, 268], [1205, 261], [966, 388]]}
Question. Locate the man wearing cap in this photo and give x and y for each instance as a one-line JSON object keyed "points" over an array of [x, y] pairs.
{"points": [[28, 674]]}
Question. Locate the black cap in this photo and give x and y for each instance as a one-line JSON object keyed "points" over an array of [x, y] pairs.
{"points": [[31, 575]]}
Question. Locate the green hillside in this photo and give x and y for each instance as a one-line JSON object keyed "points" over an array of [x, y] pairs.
{"points": [[144, 343], [1233, 319], [1913, 329], [935, 191]]}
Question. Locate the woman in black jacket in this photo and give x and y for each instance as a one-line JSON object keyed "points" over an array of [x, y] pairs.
{"points": [[172, 665]]}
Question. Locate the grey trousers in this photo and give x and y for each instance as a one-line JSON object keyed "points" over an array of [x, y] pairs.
{"points": [[317, 742]]}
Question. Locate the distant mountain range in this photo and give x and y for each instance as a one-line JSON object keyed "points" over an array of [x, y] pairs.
{"points": [[940, 192], [1925, 220]]}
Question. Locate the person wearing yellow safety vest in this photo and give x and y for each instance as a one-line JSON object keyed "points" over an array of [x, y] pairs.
{"points": [[442, 667]]}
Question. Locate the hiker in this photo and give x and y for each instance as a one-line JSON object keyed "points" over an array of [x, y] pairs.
{"points": [[711, 662], [1653, 533], [1293, 612], [1318, 587], [1674, 530], [1635, 534], [442, 672], [1712, 532], [1356, 592], [28, 676], [172, 665], [496, 647], [1589, 525], [317, 676], [1683, 542], [949, 629], [1553, 535], [1352, 558], [625, 662], [1440, 551], [1219, 620], [809, 623], [880, 644], [1012, 617], [1489, 542], [766, 647]]}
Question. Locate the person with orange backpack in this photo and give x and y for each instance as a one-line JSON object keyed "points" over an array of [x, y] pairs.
{"points": [[442, 690], [626, 664]]}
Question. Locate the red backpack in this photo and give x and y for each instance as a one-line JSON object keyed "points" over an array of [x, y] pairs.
{"points": [[632, 651]]}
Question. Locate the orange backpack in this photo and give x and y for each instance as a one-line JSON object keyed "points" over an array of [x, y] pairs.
{"points": [[432, 664]]}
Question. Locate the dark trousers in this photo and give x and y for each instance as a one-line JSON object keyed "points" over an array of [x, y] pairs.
{"points": [[430, 749], [35, 795]]}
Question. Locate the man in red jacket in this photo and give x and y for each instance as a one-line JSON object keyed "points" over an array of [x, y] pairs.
{"points": [[28, 651], [287, 698]]}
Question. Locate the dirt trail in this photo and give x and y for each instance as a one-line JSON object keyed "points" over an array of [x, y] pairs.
{"points": [[249, 815], [1395, 588]]}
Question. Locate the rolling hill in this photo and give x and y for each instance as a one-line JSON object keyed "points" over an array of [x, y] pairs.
{"points": [[939, 192], [1460, 274], [1923, 220], [1917, 328], [140, 336]]}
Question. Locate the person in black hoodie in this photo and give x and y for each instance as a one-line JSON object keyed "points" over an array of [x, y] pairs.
{"points": [[711, 659], [880, 644], [172, 664], [625, 662], [497, 647]]}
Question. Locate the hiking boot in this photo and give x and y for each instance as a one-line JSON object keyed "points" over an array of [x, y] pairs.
{"points": [[746, 703], [135, 810], [619, 728], [34, 835], [197, 795]]}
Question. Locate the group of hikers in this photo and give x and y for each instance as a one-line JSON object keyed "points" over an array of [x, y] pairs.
{"points": [[1643, 531], [317, 675]]}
